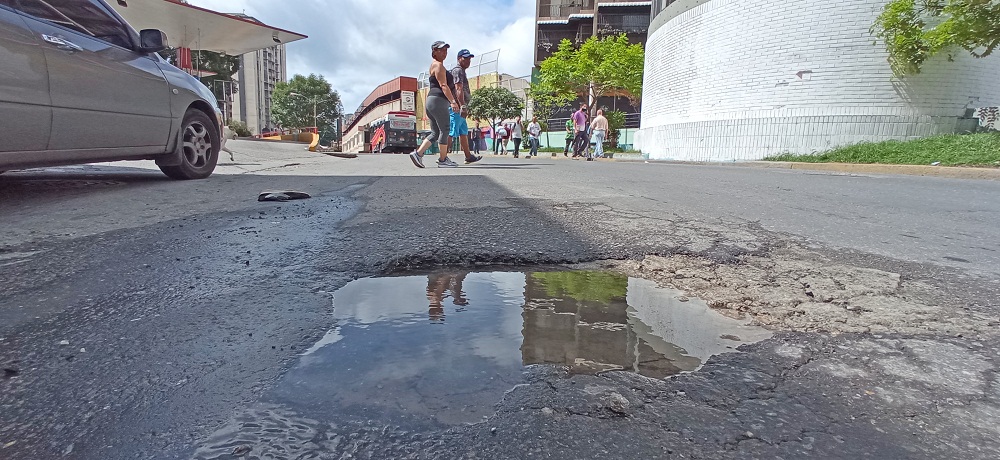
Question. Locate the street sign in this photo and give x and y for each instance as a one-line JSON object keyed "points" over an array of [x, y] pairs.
{"points": [[408, 101]]}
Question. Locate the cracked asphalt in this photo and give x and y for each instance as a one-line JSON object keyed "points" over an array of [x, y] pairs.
{"points": [[147, 318]]}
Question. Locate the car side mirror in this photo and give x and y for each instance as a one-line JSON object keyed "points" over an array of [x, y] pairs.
{"points": [[152, 41]]}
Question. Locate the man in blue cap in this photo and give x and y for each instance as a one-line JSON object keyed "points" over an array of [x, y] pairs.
{"points": [[459, 127]]}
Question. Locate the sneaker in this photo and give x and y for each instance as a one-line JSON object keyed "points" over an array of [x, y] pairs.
{"points": [[447, 163], [417, 159], [473, 159]]}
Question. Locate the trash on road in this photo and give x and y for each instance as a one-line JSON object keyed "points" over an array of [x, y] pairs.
{"points": [[282, 195]]}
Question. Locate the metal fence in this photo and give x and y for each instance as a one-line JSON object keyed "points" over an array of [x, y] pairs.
{"points": [[563, 8]]}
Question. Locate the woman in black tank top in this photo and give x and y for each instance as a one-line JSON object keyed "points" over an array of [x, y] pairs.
{"points": [[439, 99]]}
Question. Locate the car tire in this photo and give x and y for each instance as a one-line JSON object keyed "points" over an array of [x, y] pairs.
{"points": [[199, 148]]}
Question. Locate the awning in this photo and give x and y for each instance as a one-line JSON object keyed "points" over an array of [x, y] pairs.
{"points": [[613, 4], [189, 26]]}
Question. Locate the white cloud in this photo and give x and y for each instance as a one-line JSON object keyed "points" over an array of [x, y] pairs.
{"points": [[359, 44]]}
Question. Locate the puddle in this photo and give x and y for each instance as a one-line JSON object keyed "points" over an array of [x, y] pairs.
{"points": [[441, 349]]}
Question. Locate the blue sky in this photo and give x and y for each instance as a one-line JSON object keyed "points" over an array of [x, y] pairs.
{"points": [[359, 44]]}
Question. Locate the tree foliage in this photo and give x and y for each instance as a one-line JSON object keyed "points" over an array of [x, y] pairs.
{"points": [[494, 104], [598, 67], [915, 30], [547, 99], [616, 121], [604, 287], [292, 105], [222, 65]]}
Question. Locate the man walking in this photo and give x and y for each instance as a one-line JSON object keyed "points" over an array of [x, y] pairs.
{"points": [[534, 130], [476, 139], [600, 128], [516, 134], [580, 126], [459, 127]]}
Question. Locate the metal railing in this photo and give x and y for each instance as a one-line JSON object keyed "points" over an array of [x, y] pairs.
{"points": [[614, 24], [563, 8], [549, 41]]}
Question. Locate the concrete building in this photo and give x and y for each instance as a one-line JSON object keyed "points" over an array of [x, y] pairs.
{"points": [[259, 71], [578, 20], [740, 80], [396, 95]]}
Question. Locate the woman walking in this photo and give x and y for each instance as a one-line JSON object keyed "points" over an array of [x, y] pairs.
{"points": [[439, 98]]}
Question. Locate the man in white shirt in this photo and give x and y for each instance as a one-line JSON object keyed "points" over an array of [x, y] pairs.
{"points": [[516, 135], [534, 130]]}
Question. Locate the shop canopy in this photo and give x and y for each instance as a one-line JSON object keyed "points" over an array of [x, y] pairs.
{"points": [[189, 26]]}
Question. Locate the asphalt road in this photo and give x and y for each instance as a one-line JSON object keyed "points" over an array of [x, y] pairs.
{"points": [[147, 318]]}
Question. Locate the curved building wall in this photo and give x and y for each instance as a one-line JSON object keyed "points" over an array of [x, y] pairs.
{"points": [[743, 79]]}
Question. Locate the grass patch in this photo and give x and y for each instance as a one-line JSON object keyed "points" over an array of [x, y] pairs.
{"points": [[981, 149]]}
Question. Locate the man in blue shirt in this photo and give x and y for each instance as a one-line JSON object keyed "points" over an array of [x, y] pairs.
{"points": [[459, 127]]}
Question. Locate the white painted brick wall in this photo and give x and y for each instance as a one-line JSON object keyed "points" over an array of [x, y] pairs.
{"points": [[743, 79]]}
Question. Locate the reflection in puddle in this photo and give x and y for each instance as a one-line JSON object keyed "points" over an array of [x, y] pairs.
{"points": [[426, 352], [442, 348]]}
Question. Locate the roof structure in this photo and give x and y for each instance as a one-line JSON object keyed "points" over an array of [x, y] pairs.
{"points": [[189, 26], [385, 92]]}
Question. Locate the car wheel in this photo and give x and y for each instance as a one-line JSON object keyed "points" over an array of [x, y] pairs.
{"points": [[200, 145]]}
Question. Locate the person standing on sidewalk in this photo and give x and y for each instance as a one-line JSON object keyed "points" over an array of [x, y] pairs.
{"points": [[580, 126], [440, 97], [570, 137], [516, 134], [500, 136], [476, 138], [534, 130], [600, 129], [460, 127]]}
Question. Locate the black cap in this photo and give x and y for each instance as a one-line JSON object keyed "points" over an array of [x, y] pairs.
{"points": [[440, 44], [466, 54]]}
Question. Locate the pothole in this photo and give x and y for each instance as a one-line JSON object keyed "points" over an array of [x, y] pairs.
{"points": [[442, 348]]}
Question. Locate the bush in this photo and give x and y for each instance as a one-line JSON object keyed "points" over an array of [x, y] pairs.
{"points": [[241, 129]]}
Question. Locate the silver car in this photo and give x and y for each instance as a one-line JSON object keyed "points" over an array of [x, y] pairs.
{"points": [[79, 85]]}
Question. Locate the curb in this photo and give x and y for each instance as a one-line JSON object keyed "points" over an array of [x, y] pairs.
{"points": [[951, 172]]}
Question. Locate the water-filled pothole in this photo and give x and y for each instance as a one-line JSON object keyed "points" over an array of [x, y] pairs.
{"points": [[443, 348]]}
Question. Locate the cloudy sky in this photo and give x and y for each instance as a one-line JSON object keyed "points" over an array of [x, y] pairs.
{"points": [[359, 44]]}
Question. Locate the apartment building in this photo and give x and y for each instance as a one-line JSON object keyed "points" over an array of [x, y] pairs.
{"points": [[259, 72], [578, 20]]}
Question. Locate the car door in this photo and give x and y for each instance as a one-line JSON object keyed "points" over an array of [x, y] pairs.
{"points": [[25, 112], [105, 96]]}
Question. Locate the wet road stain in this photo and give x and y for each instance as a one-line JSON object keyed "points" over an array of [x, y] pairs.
{"points": [[422, 353]]}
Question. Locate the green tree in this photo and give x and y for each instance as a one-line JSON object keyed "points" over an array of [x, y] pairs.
{"points": [[308, 101], [616, 121], [916, 30], [600, 66], [494, 104], [546, 100], [598, 286]]}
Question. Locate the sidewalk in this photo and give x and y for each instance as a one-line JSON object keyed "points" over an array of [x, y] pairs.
{"points": [[953, 172]]}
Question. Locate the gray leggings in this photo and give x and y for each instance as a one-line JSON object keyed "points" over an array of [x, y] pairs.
{"points": [[437, 110]]}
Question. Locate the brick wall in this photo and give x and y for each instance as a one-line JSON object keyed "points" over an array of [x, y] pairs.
{"points": [[740, 80]]}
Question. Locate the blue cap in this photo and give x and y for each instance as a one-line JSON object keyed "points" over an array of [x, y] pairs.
{"points": [[465, 53]]}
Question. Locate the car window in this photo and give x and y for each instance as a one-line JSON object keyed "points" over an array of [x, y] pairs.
{"points": [[88, 17]]}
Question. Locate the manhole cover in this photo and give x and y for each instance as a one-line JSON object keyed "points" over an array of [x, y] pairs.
{"points": [[443, 348]]}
